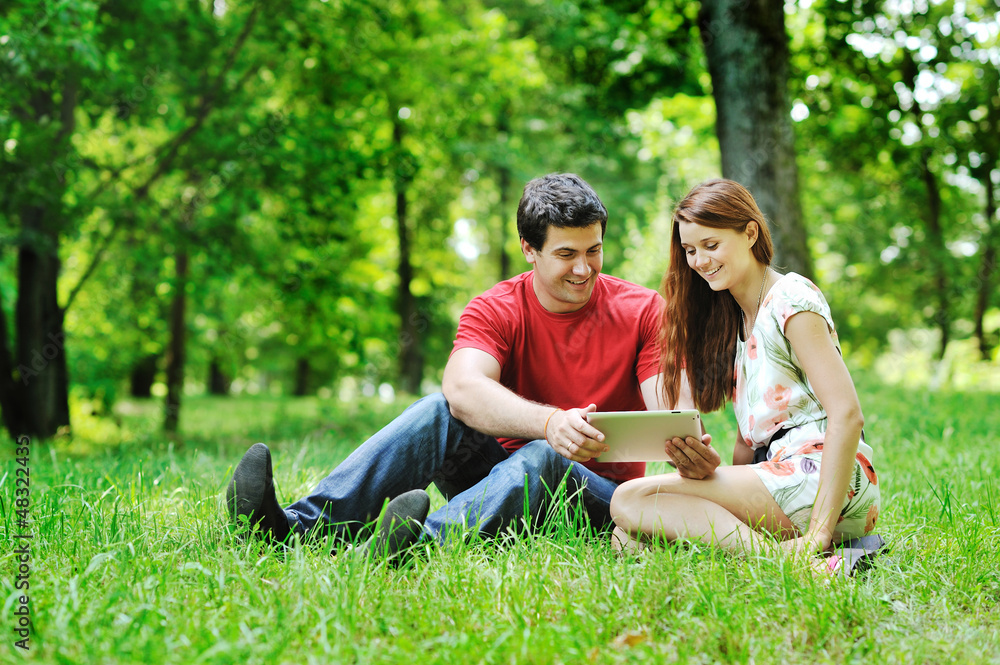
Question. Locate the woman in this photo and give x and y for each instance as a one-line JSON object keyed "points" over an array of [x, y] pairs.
{"points": [[801, 469]]}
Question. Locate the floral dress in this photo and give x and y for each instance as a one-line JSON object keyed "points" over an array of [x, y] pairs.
{"points": [[777, 409]]}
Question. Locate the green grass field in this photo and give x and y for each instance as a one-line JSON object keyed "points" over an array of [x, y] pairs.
{"points": [[131, 560]]}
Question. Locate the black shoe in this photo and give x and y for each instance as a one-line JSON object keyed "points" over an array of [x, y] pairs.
{"points": [[401, 526], [251, 493]]}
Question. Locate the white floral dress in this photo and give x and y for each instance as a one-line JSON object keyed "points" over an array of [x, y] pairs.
{"points": [[776, 408]]}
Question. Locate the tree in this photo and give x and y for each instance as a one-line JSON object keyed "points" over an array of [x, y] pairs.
{"points": [[898, 121], [973, 129], [59, 58], [50, 59], [747, 49]]}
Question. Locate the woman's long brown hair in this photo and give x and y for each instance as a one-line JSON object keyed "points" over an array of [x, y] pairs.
{"points": [[699, 327]]}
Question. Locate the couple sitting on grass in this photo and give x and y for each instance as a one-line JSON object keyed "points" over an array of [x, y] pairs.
{"points": [[536, 353]]}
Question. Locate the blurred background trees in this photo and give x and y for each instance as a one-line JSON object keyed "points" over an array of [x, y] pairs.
{"points": [[238, 196]]}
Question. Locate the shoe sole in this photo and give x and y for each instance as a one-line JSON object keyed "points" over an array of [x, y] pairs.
{"points": [[402, 523]]}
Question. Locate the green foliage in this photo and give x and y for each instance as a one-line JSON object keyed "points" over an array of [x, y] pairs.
{"points": [[896, 119], [258, 139], [132, 560]]}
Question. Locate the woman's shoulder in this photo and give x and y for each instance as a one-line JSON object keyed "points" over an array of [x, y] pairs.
{"points": [[793, 286], [793, 293], [794, 282]]}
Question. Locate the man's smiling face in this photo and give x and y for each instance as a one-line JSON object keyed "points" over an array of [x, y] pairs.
{"points": [[567, 266]]}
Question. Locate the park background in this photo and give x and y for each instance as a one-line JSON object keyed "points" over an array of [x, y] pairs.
{"points": [[231, 221]]}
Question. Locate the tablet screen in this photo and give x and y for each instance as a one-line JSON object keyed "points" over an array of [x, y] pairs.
{"points": [[639, 436]]}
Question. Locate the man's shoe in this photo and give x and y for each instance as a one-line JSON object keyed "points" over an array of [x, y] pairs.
{"points": [[251, 493], [401, 526]]}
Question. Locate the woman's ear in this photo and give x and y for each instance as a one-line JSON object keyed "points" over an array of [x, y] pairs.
{"points": [[753, 229]]}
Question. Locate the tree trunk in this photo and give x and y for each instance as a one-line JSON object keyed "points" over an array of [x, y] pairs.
{"points": [[142, 377], [175, 347], [504, 212], [503, 182], [41, 340], [301, 377], [41, 376], [747, 50], [937, 250], [218, 381], [986, 269], [11, 395], [411, 362], [991, 237]]}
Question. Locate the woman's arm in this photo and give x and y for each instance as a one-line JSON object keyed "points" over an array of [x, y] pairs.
{"points": [[742, 453], [828, 375]]}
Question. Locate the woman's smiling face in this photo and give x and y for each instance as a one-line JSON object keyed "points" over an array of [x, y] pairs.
{"points": [[721, 256]]}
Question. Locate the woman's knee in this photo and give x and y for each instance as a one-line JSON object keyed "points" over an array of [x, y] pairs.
{"points": [[630, 498], [623, 504]]}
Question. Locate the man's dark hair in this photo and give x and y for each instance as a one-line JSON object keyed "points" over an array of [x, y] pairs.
{"points": [[557, 199]]}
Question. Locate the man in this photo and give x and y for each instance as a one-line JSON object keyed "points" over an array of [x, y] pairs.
{"points": [[532, 357]]}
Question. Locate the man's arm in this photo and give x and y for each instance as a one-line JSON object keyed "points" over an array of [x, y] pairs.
{"points": [[471, 384]]}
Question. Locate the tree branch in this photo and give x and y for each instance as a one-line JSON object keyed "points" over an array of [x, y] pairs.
{"points": [[170, 149], [206, 106], [94, 262]]}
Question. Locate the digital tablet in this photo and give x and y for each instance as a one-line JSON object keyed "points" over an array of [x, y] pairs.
{"points": [[639, 436]]}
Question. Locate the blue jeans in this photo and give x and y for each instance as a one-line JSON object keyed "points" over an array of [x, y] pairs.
{"points": [[487, 488]]}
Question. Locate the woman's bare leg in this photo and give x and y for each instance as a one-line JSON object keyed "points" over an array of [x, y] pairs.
{"points": [[623, 543], [729, 508]]}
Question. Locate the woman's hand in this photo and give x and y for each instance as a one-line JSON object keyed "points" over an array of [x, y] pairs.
{"points": [[808, 544], [693, 458]]}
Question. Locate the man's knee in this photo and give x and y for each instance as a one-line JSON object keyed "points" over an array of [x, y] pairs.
{"points": [[538, 459], [537, 453], [429, 410], [435, 402]]}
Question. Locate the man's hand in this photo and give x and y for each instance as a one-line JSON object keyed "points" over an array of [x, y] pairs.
{"points": [[693, 458], [574, 438]]}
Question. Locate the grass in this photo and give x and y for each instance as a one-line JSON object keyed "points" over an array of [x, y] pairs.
{"points": [[132, 561]]}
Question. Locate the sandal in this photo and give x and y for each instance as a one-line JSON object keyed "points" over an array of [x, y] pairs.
{"points": [[856, 555]]}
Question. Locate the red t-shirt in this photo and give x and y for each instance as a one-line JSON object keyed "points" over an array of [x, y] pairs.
{"points": [[598, 354]]}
